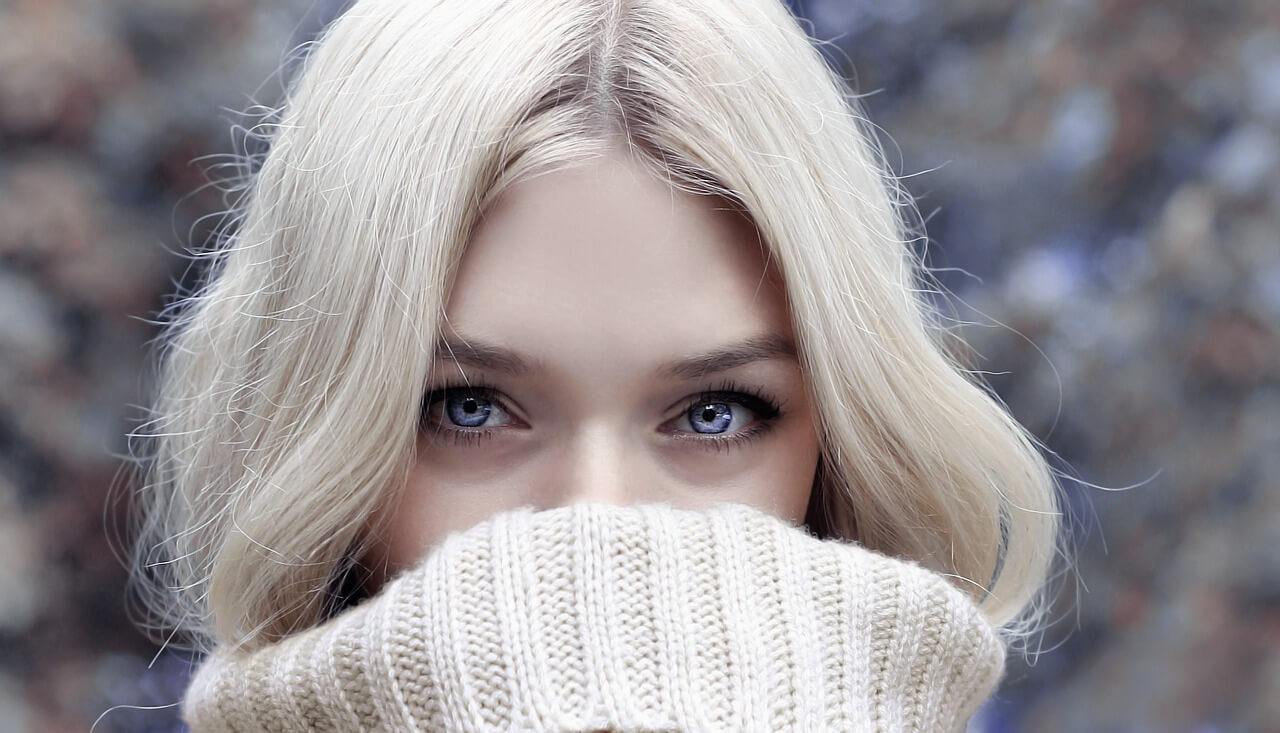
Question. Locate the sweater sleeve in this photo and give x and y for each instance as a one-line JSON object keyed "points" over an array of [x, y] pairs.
{"points": [[642, 618]]}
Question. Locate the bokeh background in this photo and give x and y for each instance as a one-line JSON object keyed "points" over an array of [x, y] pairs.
{"points": [[1101, 185]]}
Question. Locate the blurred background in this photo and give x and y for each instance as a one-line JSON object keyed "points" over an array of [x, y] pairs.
{"points": [[1101, 185]]}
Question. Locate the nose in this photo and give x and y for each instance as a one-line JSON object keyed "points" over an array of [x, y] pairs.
{"points": [[601, 466]]}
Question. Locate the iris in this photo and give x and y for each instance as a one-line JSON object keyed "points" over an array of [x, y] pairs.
{"points": [[713, 417], [468, 411]]}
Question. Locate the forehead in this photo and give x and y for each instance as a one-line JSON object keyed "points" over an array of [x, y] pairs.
{"points": [[603, 260]]}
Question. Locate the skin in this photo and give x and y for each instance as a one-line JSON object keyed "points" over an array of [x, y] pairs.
{"points": [[624, 342]]}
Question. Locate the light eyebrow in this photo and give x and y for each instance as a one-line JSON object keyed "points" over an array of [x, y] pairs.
{"points": [[477, 354], [759, 348]]}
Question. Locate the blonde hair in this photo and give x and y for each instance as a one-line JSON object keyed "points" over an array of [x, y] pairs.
{"points": [[291, 382]]}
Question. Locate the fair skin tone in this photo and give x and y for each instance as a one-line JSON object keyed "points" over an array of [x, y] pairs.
{"points": [[608, 339]]}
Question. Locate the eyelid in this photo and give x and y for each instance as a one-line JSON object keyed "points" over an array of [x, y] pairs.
{"points": [[754, 399], [729, 441], [435, 394]]}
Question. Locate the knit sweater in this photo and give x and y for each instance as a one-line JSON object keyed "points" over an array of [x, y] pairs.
{"points": [[643, 618]]}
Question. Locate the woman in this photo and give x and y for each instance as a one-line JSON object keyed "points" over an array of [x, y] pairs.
{"points": [[570, 369]]}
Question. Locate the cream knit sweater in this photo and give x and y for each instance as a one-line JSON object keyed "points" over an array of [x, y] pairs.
{"points": [[642, 618]]}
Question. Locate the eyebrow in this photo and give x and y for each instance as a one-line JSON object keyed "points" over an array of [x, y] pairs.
{"points": [[759, 348], [466, 352], [479, 355]]}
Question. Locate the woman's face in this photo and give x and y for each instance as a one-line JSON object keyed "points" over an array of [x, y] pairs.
{"points": [[608, 339]]}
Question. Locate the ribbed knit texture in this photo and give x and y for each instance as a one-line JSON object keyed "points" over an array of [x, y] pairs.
{"points": [[642, 618]]}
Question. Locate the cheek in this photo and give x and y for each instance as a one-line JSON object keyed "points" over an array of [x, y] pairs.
{"points": [[776, 477], [793, 470], [438, 499], [784, 480]]}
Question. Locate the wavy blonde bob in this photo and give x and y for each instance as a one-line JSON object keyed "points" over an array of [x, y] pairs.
{"points": [[291, 381]]}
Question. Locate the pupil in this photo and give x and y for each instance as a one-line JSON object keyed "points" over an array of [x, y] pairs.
{"points": [[708, 413], [468, 411]]}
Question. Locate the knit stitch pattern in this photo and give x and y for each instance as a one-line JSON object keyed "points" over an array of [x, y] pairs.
{"points": [[640, 618]]}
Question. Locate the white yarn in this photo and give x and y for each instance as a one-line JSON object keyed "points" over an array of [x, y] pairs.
{"points": [[642, 618]]}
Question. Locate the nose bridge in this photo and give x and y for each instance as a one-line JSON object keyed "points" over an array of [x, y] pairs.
{"points": [[599, 466]]}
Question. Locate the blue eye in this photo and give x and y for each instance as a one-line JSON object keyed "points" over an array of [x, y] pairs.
{"points": [[460, 409], [712, 417], [468, 411], [726, 413]]}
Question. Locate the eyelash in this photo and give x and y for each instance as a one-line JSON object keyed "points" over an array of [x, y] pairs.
{"points": [[765, 407]]}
